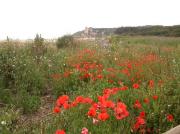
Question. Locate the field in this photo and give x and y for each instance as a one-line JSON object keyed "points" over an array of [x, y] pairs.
{"points": [[131, 85]]}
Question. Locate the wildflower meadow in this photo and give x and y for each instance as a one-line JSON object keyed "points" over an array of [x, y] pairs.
{"points": [[130, 86]]}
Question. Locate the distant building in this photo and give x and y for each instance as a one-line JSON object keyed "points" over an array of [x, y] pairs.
{"points": [[88, 32]]}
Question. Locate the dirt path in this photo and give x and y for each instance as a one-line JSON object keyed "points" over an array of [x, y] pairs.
{"points": [[43, 112]]}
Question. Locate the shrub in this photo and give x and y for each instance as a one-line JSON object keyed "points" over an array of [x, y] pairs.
{"points": [[65, 41]]}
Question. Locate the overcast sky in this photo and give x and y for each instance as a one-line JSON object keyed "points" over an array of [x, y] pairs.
{"points": [[53, 18]]}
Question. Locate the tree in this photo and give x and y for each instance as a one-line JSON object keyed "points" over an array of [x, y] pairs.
{"points": [[65, 41]]}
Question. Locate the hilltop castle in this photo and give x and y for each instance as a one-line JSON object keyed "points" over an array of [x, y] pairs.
{"points": [[88, 32]]}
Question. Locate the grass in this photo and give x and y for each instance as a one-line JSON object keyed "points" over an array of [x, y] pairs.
{"points": [[32, 78]]}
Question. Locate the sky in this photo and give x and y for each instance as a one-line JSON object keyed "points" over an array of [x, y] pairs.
{"points": [[23, 19]]}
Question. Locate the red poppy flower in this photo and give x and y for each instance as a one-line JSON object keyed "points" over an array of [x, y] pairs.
{"points": [[146, 100], [87, 75], [56, 110], [110, 104], [142, 114], [66, 105], [107, 91], [155, 97], [60, 132], [151, 83], [121, 111], [115, 90], [99, 76], [126, 72], [137, 104], [129, 65], [170, 117], [135, 85], [67, 74], [136, 126], [123, 88], [110, 81], [121, 115], [62, 99], [73, 104], [101, 98], [79, 99], [88, 100], [92, 112], [140, 120], [103, 116]]}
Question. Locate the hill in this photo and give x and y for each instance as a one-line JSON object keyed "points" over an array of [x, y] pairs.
{"points": [[157, 30]]}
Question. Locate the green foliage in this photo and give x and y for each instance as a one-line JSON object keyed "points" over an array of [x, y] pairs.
{"points": [[30, 103], [8, 118], [38, 48], [7, 59], [65, 41], [150, 30]]}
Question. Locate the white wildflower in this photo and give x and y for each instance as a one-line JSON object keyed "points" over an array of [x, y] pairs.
{"points": [[3, 122]]}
